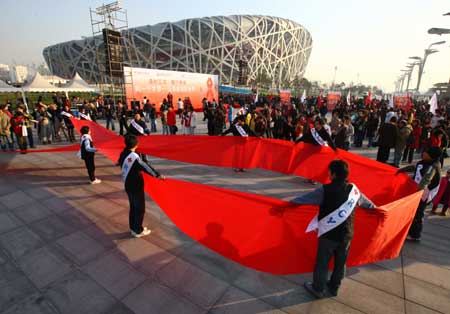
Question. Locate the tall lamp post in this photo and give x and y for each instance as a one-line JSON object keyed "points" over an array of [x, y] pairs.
{"points": [[423, 60]]}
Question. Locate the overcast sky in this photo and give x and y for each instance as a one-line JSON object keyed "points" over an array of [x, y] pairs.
{"points": [[371, 38]]}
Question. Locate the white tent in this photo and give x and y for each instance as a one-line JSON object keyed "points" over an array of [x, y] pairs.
{"points": [[5, 88], [79, 85], [40, 84]]}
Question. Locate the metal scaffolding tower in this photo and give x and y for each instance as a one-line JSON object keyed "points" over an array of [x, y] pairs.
{"points": [[109, 24]]}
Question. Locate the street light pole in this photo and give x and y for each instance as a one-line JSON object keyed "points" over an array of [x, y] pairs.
{"points": [[427, 52]]}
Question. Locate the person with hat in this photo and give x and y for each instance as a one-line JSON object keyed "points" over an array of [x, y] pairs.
{"points": [[427, 174]]}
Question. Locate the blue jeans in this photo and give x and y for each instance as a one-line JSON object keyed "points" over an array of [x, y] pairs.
{"points": [[153, 125], [5, 142], [110, 121]]}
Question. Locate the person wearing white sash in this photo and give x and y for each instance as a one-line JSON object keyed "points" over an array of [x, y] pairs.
{"points": [[138, 127], [334, 226], [87, 153], [239, 129], [318, 136], [427, 174], [132, 168]]}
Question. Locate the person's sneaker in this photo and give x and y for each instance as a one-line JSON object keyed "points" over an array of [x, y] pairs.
{"points": [[144, 233], [310, 288], [96, 181], [409, 238], [443, 213]]}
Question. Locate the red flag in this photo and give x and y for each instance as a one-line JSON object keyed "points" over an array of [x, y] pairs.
{"points": [[319, 100], [368, 99]]}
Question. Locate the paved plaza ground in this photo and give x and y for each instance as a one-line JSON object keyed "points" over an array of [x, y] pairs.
{"points": [[65, 248]]}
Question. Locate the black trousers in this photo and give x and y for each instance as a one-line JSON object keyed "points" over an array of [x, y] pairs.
{"points": [[325, 251], [415, 230], [383, 154], [122, 126], [137, 210], [90, 166], [408, 153]]}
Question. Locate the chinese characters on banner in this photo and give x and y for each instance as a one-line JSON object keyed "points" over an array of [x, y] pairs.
{"points": [[332, 99], [156, 84], [285, 96], [402, 101]]}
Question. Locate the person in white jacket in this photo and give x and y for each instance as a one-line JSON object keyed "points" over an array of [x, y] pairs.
{"points": [[190, 121]]}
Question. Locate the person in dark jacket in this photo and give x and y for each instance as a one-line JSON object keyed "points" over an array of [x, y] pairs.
{"points": [[387, 139], [427, 174], [132, 168], [87, 152], [137, 126], [239, 128], [335, 225], [109, 116], [279, 125], [317, 135]]}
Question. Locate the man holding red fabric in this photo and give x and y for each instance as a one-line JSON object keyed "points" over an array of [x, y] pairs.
{"points": [[334, 223]]}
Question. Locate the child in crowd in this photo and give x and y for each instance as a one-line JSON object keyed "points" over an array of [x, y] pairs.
{"points": [[132, 166], [443, 195], [87, 152]]}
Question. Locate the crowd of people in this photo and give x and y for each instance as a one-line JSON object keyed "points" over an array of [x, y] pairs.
{"points": [[349, 125]]}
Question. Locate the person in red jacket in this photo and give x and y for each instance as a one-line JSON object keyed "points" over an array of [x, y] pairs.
{"points": [[172, 121], [19, 128], [413, 142], [443, 195]]}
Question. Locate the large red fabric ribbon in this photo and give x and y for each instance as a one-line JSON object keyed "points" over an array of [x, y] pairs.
{"points": [[264, 233]]}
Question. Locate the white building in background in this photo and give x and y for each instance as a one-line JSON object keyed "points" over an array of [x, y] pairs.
{"points": [[4, 72], [20, 74], [55, 80]]}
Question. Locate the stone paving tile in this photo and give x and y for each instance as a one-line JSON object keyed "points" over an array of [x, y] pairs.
{"points": [[368, 299], [8, 273], [212, 262], [237, 301], [77, 293], [119, 308], [108, 234], [52, 228], [114, 274], [103, 208], [76, 219], [33, 304], [20, 241], [190, 281], [31, 212], [39, 193], [15, 291], [143, 255], [271, 289], [435, 275], [8, 222], [153, 298], [428, 295], [58, 204], [15, 199], [44, 266], [414, 308], [80, 248], [377, 277]]}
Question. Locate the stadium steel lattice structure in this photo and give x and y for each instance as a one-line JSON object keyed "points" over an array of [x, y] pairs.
{"points": [[273, 47]]}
